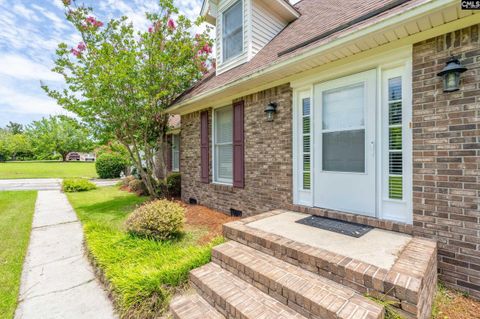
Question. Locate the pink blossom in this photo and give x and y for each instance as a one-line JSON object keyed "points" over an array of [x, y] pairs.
{"points": [[206, 48], [150, 29], [75, 52], [93, 22], [171, 24], [81, 46]]}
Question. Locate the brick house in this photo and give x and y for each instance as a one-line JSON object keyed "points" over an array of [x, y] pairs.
{"points": [[361, 126]]}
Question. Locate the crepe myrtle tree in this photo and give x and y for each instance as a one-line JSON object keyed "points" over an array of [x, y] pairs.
{"points": [[120, 80]]}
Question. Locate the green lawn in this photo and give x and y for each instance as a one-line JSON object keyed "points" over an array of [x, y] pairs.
{"points": [[142, 274], [16, 212], [45, 169]]}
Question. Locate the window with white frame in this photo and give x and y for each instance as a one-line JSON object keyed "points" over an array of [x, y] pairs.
{"points": [[306, 144], [175, 153], [223, 145], [232, 31], [395, 149]]}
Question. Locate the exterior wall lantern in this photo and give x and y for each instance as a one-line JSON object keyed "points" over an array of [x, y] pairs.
{"points": [[451, 75], [270, 110]]}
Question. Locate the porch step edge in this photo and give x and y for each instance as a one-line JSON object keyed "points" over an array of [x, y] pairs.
{"points": [[193, 307], [235, 298], [304, 291]]}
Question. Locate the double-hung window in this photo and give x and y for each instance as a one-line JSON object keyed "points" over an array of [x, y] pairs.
{"points": [[232, 31], [175, 153], [223, 145]]}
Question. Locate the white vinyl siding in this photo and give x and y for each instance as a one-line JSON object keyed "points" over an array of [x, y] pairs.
{"points": [[223, 145], [265, 26], [175, 153]]}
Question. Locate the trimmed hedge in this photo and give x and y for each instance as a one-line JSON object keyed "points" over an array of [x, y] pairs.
{"points": [[110, 165], [72, 185], [160, 220]]}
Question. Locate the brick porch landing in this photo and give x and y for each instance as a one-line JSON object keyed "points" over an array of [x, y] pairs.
{"points": [[273, 269]]}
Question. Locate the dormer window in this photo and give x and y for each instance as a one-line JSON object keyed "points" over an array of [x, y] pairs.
{"points": [[232, 31]]}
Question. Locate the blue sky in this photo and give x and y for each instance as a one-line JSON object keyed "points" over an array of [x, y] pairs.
{"points": [[30, 31]]}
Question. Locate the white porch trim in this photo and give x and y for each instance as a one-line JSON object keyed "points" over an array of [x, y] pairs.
{"points": [[394, 63]]}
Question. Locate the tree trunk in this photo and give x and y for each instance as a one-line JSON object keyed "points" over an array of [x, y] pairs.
{"points": [[64, 157]]}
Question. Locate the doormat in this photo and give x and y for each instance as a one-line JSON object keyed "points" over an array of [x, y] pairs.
{"points": [[338, 226]]}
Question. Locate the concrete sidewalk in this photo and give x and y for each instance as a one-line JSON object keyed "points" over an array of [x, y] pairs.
{"points": [[42, 184], [30, 184], [57, 279]]}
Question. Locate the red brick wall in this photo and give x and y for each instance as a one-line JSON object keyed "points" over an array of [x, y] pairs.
{"points": [[268, 158], [446, 156]]}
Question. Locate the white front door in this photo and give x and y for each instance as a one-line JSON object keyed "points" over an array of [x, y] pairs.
{"points": [[344, 144]]}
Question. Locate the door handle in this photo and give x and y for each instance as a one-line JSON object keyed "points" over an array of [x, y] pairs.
{"points": [[372, 147]]}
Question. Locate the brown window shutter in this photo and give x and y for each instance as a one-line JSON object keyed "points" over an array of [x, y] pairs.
{"points": [[169, 153], [238, 145], [204, 148]]}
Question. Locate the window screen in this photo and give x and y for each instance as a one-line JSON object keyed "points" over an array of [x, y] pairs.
{"points": [[232, 31], [223, 142], [175, 153]]}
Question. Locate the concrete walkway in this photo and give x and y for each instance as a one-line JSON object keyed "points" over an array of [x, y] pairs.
{"points": [[41, 184], [57, 279], [30, 184]]}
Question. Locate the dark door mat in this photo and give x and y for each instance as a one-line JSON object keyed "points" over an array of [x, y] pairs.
{"points": [[338, 226]]}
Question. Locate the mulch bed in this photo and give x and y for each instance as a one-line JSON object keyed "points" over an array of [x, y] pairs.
{"points": [[454, 305], [197, 215]]}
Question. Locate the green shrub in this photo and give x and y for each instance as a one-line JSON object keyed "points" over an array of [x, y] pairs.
{"points": [[110, 165], [160, 219], [137, 186], [72, 185], [174, 184]]}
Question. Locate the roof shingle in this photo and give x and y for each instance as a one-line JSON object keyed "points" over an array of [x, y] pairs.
{"points": [[317, 17]]}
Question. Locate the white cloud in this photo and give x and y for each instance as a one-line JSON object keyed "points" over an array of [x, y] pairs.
{"points": [[20, 67], [25, 103]]}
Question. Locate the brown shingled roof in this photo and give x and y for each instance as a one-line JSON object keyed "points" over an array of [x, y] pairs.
{"points": [[317, 17]]}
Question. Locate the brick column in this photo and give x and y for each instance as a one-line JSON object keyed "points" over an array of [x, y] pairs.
{"points": [[446, 156]]}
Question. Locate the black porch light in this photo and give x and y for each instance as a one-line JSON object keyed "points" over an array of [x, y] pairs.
{"points": [[270, 110], [451, 75]]}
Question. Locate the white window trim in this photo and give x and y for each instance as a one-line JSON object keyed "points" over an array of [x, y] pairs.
{"points": [[222, 13], [398, 58], [215, 179], [177, 137]]}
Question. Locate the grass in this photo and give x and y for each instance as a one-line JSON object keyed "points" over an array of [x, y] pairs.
{"points": [[142, 274], [16, 213], [46, 169]]}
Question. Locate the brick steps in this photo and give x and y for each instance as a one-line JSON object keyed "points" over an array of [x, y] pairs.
{"points": [[409, 284], [235, 298], [263, 275], [193, 307], [307, 293]]}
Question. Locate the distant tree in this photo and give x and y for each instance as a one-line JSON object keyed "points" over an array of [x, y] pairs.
{"points": [[120, 80], [14, 146], [14, 128], [58, 134]]}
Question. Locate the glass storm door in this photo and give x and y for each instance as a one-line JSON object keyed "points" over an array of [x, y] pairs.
{"points": [[344, 128]]}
